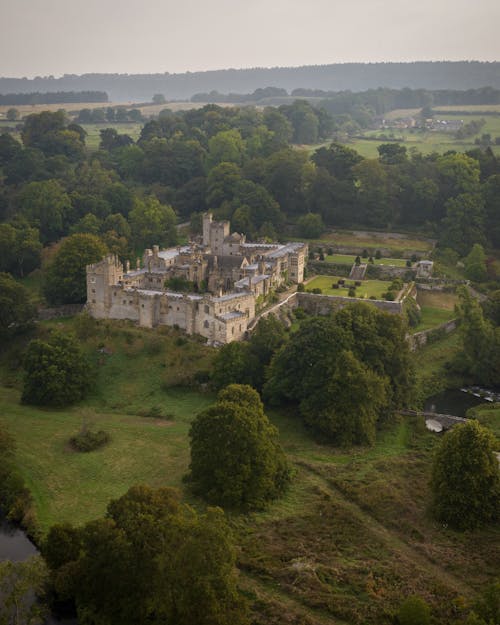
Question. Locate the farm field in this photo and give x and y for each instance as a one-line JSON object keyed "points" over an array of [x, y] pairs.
{"points": [[398, 244], [348, 540], [344, 259], [428, 142], [368, 288]]}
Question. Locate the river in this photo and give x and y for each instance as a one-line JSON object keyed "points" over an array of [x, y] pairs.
{"points": [[16, 547]]}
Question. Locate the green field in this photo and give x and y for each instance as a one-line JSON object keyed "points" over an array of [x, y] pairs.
{"points": [[436, 309], [430, 141], [367, 289], [344, 259], [397, 243]]}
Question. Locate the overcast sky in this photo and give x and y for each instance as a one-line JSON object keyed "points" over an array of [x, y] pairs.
{"points": [[43, 37]]}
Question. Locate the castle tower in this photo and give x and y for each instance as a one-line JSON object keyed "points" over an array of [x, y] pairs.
{"points": [[207, 220], [101, 277]]}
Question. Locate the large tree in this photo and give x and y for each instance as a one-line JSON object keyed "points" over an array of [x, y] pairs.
{"points": [[150, 560], [249, 468], [16, 310], [466, 477], [65, 277], [57, 372]]}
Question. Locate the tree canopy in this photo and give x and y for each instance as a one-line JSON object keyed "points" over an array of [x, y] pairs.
{"points": [[249, 468], [57, 372], [466, 477], [65, 278], [151, 559]]}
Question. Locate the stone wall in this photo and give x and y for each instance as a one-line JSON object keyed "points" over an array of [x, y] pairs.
{"points": [[68, 310], [419, 339]]}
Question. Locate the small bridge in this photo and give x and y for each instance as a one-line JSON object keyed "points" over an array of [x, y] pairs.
{"points": [[435, 421]]}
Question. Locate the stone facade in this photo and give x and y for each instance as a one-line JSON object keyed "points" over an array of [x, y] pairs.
{"points": [[226, 272]]}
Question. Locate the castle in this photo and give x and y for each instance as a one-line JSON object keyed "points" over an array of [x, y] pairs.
{"points": [[226, 275]]}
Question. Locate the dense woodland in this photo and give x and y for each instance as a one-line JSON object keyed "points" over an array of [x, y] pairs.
{"points": [[53, 98], [335, 77], [240, 164]]}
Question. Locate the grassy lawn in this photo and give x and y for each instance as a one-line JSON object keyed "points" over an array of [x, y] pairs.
{"points": [[367, 289], [71, 486], [345, 259], [436, 308]]}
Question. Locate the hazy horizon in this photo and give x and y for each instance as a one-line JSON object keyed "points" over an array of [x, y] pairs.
{"points": [[162, 36]]}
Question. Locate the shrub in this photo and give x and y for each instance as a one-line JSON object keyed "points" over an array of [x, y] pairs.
{"points": [[389, 296], [317, 291], [86, 440], [335, 285], [414, 611], [378, 254], [357, 260], [357, 283], [365, 254], [352, 292], [371, 261], [330, 251], [408, 263], [300, 287]]}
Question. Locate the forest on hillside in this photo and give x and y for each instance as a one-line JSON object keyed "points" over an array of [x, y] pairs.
{"points": [[335, 77]]}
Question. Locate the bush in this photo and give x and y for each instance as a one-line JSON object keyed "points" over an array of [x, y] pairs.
{"points": [[300, 287], [335, 285], [317, 291], [389, 296], [330, 251], [357, 261], [87, 440], [408, 263], [378, 254], [365, 254], [357, 283], [352, 292], [371, 261], [414, 611]]}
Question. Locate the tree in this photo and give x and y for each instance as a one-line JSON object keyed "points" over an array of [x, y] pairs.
{"points": [[463, 225], [16, 310], [233, 364], [20, 248], [465, 479], [153, 223], [57, 372], [249, 468], [12, 115], [311, 226], [226, 147], [475, 264], [50, 133], [151, 559], [19, 583], [158, 98], [65, 277], [46, 205]]}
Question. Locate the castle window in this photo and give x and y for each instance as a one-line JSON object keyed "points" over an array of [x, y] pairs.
{"points": [[93, 290], [232, 330], [130, 301], [207, 310], [177, 307], [92, 280], [142, 305], [124, 301], [93, 301], [205, 324]]}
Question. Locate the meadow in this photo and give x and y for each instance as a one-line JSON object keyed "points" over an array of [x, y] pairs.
{"points": [[349, 539]]}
